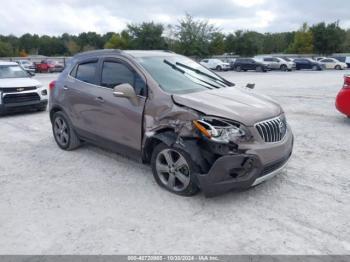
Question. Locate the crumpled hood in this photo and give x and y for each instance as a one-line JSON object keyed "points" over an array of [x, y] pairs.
{"points": [[232, 103], [18, 82]]}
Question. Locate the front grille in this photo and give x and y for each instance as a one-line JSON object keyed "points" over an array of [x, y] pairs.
{"points": [[274, 166], [17, 89], [272, 130], [20, 98]]}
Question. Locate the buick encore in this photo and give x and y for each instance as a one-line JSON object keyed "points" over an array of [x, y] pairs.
{"points": [[197, 130]]}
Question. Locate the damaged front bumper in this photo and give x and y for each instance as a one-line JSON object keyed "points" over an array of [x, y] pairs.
{"points": [[242, 171]]}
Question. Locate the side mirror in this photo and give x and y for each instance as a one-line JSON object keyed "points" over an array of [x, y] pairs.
{"points": [[250, 86], [127, 91]]}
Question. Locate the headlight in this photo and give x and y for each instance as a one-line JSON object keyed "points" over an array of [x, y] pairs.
{"points": [[220, 130]]}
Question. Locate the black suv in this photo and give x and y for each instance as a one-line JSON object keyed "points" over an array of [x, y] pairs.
{"points": [[245, 64]]}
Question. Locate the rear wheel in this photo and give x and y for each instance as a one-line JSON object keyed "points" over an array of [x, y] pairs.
{"points": [[172, 169], [315, 68], [238, 69], [219, 68], [63, 132]]}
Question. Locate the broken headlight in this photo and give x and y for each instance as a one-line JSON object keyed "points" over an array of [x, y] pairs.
{"points": [[221, 130]]}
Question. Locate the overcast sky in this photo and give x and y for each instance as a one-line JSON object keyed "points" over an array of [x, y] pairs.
{"points": [[76, 16]]}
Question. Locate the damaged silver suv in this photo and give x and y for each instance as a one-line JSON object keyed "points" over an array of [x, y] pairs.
{"points": [[196, 129]]}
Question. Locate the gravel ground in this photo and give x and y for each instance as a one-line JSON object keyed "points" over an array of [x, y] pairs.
{"points": [[91, 201]]}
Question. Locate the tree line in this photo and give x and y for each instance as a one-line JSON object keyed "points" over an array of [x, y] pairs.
{"points": [[190, 36]]}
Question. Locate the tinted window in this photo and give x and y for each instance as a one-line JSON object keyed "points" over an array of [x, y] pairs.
{"points": [[114, 73], [87, 71], [268, 59]]}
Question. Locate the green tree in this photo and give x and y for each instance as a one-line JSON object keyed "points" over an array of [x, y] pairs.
{"points": [[194, 36], [217, 44], [303, 41], [118, 41], [148, 36], [327, 39], [5, 49]]}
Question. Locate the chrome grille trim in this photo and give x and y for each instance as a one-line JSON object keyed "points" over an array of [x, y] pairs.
{"points": [[272, 130]]}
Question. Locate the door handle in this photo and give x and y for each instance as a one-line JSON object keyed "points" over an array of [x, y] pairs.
{"points": [[99, 99], [65, 87]]}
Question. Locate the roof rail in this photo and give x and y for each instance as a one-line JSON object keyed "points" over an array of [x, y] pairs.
{"points": [[98, 51]]}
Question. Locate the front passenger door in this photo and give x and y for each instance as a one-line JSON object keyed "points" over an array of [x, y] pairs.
{"points": [[118, 119]]}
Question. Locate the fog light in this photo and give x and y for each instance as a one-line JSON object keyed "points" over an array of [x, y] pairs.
{"points": [[44, 92]]}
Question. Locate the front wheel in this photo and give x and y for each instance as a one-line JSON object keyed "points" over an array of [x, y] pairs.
{"points": [[337, 67], [219, 68], [63, 132], [172, 169], [314, 68]]}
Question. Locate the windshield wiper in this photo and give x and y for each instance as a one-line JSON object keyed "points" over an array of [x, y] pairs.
{"points": [[224, 81], [175, 67]]}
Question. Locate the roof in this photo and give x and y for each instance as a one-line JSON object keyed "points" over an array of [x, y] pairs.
{"points": [[7, 63]]}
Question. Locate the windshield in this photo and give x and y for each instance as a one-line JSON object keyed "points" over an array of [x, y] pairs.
{"points": [[286, 59], [181, 75], [12, 71]]}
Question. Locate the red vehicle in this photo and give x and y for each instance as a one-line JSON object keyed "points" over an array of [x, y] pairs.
{"points": [[48, 66], [343, 98]]}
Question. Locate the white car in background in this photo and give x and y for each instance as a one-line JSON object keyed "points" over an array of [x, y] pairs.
{"points": [[276, 63], [332, 63], [215, 64], [18, 91]]}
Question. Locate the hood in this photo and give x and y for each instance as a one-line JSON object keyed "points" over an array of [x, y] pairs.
{"points": [[232, 103], [18, 82]]}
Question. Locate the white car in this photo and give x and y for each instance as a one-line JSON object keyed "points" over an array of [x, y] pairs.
{"points": [[18, 91], [215, 64], [332, 63], [27, 65], [277, 63]]}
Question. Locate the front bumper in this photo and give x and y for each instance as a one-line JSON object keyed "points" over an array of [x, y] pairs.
{"points": [[242, 171]]}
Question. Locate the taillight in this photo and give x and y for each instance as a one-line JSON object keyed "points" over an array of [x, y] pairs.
{"points": [[52, 85]]}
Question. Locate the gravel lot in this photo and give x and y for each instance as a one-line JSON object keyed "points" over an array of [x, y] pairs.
{"points": [[91, 201]]}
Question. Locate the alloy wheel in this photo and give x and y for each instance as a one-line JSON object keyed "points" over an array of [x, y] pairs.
{"points": [[173, 170], [61, 131]]}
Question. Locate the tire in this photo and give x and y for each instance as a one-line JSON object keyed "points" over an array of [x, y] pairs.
{"points": [[238, 69], [175, 178], [42, 108], [337, 67], [284, 68], [314, 68], [259, 69], [218, 68], [63, 132]]}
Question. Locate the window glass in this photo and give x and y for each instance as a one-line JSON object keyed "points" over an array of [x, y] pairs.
{"points": [[86, 72], [114, 73]]}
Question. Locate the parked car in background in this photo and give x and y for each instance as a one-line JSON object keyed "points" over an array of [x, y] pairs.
{"points": [[246, 64], [320, 58], [18, 91], [27, 65], [49, 66], [332, 63], [343, 98], [344, 59], [215, 64], [230, 61], [276, 63], [196, 129], [307, 63]]}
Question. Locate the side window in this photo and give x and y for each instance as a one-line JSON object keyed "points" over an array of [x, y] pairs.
{"points": [[86, 72], [114, 73]]}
